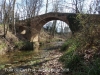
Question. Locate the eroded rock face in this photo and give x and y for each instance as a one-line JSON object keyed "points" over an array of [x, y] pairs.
{"points": [[36, 38], [7, 44], [36, 45], [23, 32], [3, 50], [3, 47]]}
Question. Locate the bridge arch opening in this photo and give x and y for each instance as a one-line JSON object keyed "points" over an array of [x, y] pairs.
{"points": [[61, 30]]}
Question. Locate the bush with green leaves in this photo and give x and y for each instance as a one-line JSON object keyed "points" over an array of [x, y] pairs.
{"points": [[76, 63], [24, 45], [71, 59], [70, 43]]}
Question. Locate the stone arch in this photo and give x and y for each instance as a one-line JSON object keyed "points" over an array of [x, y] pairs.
{"points": [[42, 22], [37, 22]]}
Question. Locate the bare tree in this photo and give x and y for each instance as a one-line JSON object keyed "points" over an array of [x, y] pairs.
{"points": [[13, 16], [46, 7], [0, 14], [8, 8], [5, 16], [33, 7], [56, 8], [78, 6], [95, 6]]}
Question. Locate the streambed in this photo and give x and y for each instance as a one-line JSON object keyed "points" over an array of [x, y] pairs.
{"points": [[32, 62]]}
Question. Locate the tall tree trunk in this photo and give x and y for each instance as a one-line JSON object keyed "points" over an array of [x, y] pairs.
{"points": [[4, 21], [46, 7], [55, 9], [76, 7], [13, 18], [53, 27]]}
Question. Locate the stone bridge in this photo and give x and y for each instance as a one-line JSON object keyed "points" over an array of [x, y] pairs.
{"points": [[32, 26]]}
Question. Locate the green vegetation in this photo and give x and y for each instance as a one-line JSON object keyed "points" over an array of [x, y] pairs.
{"points": [[76, 62], [70, 44], [82, 51], [24, 45]]}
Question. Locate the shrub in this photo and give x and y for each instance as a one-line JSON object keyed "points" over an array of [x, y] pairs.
{"points": [[24, 45], [70, 43], [72, 60], [87, 39]]}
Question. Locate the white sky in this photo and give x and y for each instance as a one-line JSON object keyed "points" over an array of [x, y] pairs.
{"points": [[64, 4]]}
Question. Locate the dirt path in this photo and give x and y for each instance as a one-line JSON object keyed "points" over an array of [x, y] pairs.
{"points": [[52, 66]]}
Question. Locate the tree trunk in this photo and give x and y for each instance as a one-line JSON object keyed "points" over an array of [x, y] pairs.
{"points": [[13, 18], [46, 7], [4, 21], [53, 27]]}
